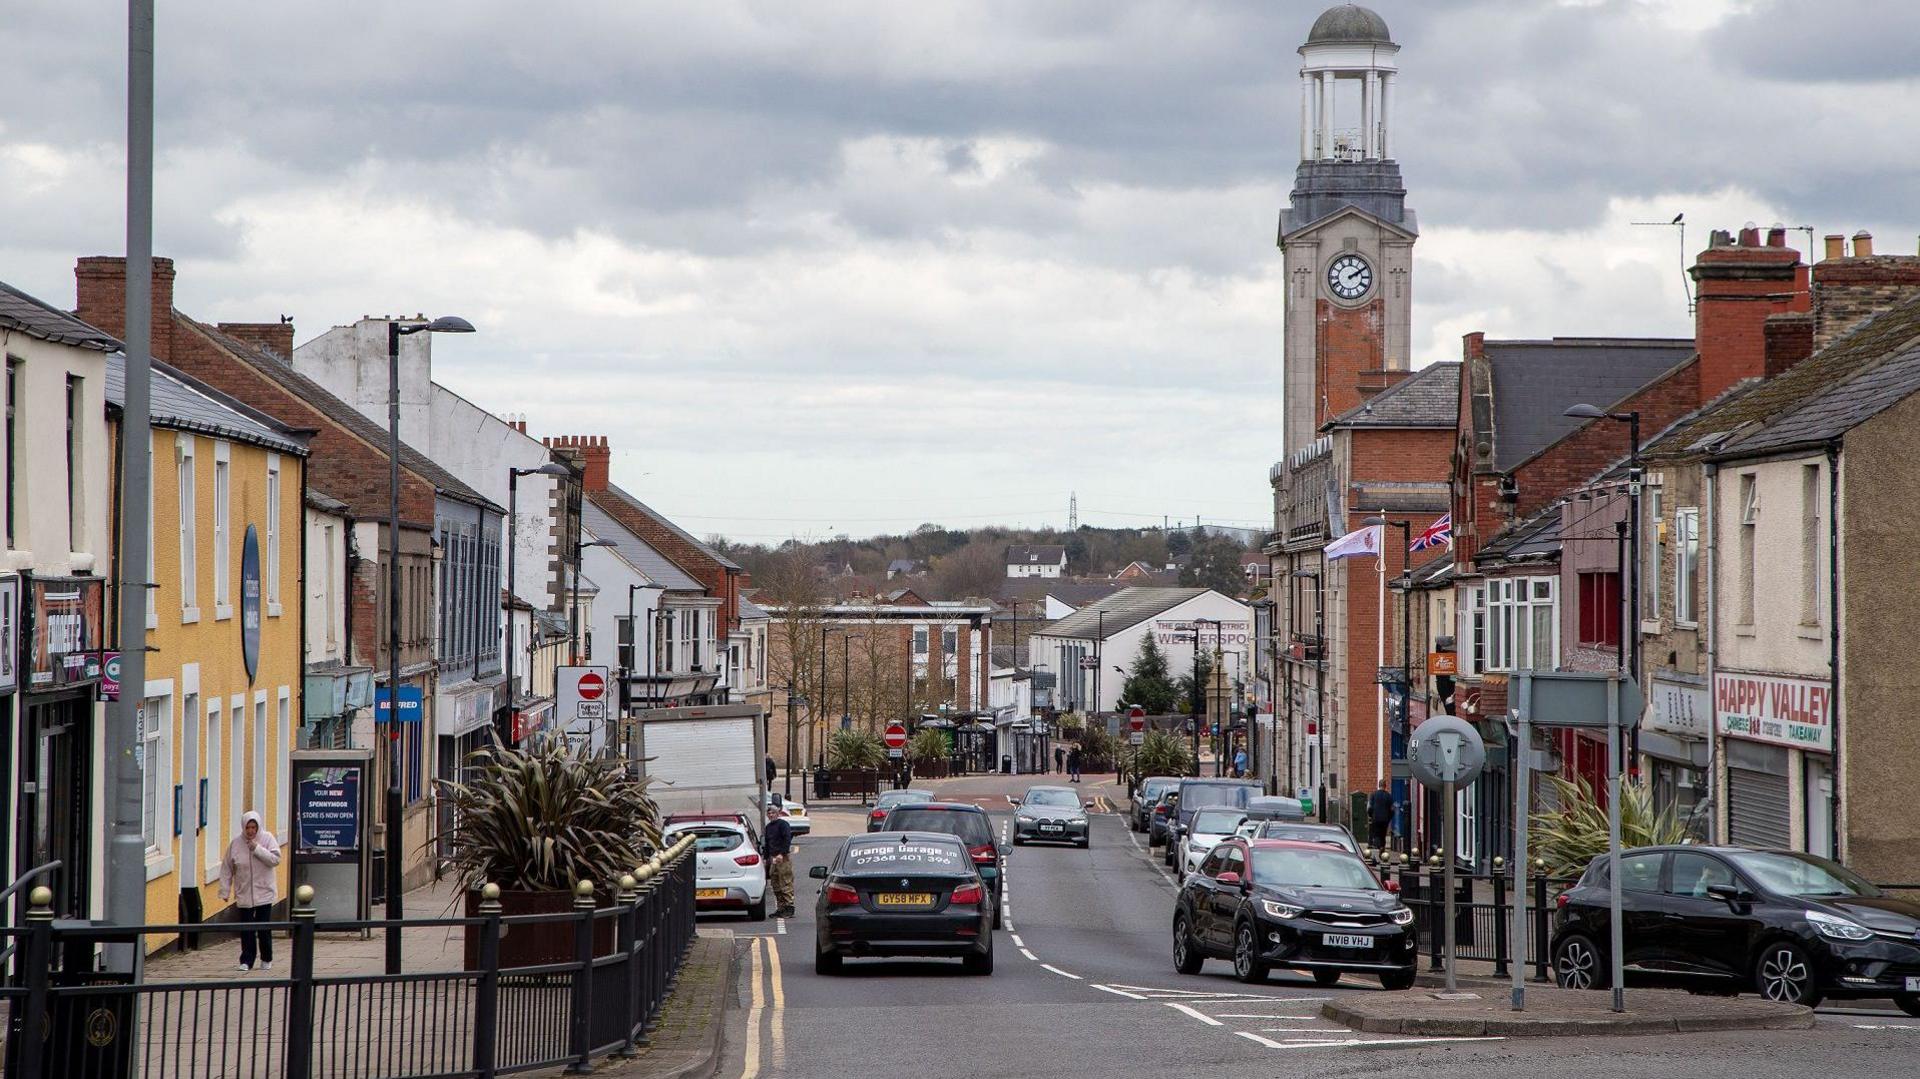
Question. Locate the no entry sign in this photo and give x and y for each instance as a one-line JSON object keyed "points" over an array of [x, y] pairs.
{"points": [[896, 736], [592, 686], [1137, 718], [582, 697]]}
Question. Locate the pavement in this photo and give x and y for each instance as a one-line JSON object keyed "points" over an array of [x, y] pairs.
{"points": [[686, 1042], [1554, 1012], [1085, 983]]}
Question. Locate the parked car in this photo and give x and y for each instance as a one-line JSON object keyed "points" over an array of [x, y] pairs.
{"points": [[877, 816], [911, 893], [1269, 903], [1205, 831], [1272, 807], [1793, 927], [964, 821], [1197, 794], [796, 813], [1145, 794], [728, 872], [1159, 821], [1333, 835], [741, 819], [1050, 815]]}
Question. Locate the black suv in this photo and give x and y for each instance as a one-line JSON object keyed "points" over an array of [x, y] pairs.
{"points": [[965, 822], [1794, 927]]}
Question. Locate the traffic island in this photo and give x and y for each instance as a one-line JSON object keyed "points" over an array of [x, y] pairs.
{"points": [[685, 1042], [1553, 1012]]}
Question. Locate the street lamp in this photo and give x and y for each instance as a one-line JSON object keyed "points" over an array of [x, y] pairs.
{"points": [[395, 331], [1632, 419], [1319, 685], [573, 612], [558, 471], [1406, 631], [846, 679], [1199, 709]]}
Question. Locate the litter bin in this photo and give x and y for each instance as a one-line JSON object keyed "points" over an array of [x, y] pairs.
{"points": [[1006, 765]]}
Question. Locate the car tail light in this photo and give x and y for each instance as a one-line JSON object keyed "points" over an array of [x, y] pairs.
{"points": [[878, 814], [839, 895], [1561, 900], [983, 854], [747, 859], [967, 895]]}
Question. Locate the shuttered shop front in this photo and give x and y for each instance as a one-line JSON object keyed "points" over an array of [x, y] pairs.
{"points": [[1759, 799]]}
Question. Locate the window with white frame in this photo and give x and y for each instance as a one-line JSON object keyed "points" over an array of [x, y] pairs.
{"points": [[1686, 565], [1749, 544], [189, 531], [1473, 630], [156, 787], [1523, 623], [1810, 545], [920, 640], [273, 534], [222, 530], [1656, 554]]}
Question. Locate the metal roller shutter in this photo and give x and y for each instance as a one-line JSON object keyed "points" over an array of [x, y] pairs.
{"points": [[1757, 813]]}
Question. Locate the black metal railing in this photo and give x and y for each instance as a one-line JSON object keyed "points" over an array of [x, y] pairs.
{"points": [[479, 1021]]}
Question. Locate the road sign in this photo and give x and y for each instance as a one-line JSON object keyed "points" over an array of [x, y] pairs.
{"points": [[410, 710], [1088, 663], [581, 697], [1446, 750], [1135, 738], [896, 737], [592, 686], [896, 754], [1136, 720]]}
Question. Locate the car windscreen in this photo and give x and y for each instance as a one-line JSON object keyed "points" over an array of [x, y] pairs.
{"points": [[1198, 795], [1153, 788], [1217, 821], [711, 839], [911, 856], [1311, 869], [894, 798], [1306, 835], [1052, 798], [1801, 874], [971, 828]]}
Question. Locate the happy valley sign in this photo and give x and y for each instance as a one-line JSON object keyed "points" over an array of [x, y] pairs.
{"points": [[1793, 712]]}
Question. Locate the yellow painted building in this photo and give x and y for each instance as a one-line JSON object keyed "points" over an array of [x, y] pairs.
{"points": [[216, 730]]}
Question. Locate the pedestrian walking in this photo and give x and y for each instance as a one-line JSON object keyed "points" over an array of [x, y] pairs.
{"points": [[1059, 758], [247, 878], [1073, 765], [1379, 816], [779, 852], [1239, 763], [771, 770]]}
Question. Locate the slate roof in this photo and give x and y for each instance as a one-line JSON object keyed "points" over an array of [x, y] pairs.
{"points": [[1124, 609], [281, 372], [1851, 380], [750, 609], [639, 555], [1036, 554], [1535, 381], [1072, 591], [1430, 397], [662, 520], [178, 401], [1536, 536], [19, 311]]}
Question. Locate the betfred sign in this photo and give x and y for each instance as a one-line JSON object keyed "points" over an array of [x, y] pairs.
{"points": [[1793, 712]]}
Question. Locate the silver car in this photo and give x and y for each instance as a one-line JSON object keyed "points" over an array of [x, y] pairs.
{"points": [[1049, 815]]}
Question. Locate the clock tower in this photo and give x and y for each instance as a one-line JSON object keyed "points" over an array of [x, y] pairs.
{"points": [[1347, 236]]}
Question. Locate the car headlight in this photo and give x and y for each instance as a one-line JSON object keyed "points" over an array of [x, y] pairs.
{"points": [[1281, 910], [1076, 820], [1023, 818], [1194, 846], [1401, 915], [1837, 928]]}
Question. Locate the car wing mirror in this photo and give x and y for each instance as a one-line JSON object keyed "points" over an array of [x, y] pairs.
{"points": [[1086, 805], [1011, 801], [1229, 878], [1731, 894], [1392, 886], [818, 872]]}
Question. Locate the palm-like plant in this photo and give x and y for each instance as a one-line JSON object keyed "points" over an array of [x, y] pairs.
{"points": [[855, 749], [1161, 754], [1573, 835], [1098, 749], [928, 745], [546, 816]]}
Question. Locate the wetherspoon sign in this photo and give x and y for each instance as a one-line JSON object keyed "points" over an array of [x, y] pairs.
{"points": [[1793, 712]]}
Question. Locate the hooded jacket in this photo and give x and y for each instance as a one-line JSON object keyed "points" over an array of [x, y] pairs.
{"points": [[247, 873]]}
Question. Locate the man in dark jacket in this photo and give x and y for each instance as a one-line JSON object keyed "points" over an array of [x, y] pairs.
{"points": [[771, 770], [778, 848], [1379, 816]]}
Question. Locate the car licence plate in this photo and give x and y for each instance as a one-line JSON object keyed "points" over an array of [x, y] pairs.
{"points": [[1913, 984], [1050, 827], [1343, 940], [902, 899], [710, 893]]}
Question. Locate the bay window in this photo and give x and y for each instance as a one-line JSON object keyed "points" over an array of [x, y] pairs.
{"points": [[1522, 624]]}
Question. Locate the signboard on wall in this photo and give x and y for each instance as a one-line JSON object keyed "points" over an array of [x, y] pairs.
{"points": [[1780, 710], [328, 808], [250, 602], [9, 633], [65, 616], [1678, 708]]}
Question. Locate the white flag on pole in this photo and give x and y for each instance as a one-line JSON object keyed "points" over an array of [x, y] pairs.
{"points": [[1360, 543]]}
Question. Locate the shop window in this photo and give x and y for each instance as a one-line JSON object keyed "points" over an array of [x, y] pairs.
{"points": [[1600, 610]]}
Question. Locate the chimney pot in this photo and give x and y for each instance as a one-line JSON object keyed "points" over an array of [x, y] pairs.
{"points": [[1836, 246], [1749, 236], [1777, 236], [1719, 238], [1863, 244]]}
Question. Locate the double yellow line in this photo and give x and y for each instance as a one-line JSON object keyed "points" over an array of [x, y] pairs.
{"points": [[769, 1000]]}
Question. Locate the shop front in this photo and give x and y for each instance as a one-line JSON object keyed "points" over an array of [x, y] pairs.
{"points": [[1674, 737], [1777, 764], [58, 736]]}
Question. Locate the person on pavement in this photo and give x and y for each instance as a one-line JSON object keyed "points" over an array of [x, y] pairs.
{"points": [[1379, 816], [779, 852], [247, 878], [1239, 763], [771, 770], [1073, 765], [1059, 758]]}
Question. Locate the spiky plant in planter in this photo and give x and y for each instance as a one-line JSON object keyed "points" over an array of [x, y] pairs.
{"points": [[927, 746], [1161, 754], [850, 749], [1576, 833]]}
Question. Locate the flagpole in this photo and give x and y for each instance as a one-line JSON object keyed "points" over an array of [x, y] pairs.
{"points": [[1379, 655]]}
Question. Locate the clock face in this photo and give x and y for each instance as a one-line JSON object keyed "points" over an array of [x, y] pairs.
{"points": [[1349, 277]]}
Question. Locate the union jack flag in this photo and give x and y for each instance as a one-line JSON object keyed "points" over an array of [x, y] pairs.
{"points": [[1437, 534]]}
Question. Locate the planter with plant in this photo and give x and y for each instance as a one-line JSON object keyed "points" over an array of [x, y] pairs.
{"points": [[1099, 751], [1161, 754], [536, 820], [928, 750], [1570, 837]]}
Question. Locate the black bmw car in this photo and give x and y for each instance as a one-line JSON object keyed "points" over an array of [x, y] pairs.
{"points": [[1269, 903], [1049, 815], [1793, 927], [902, 893]]}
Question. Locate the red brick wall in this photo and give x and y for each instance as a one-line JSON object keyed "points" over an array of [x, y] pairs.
{"points": [[274, 337], [1738, 286], [716, 578], [1407, 456], [1352, 354], [101, 284]]}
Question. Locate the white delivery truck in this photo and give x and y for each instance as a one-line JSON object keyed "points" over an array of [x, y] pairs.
{"points": [[706, 760]]}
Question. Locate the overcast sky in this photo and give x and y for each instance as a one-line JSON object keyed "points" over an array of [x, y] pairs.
{"points": [[847, 267]]}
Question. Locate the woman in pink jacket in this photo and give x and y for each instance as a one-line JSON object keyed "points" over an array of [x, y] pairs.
{"points": [[247, 877]]}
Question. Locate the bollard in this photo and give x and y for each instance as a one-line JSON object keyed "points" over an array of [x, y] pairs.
{"points": [[628, 900], [1541, 930], [486, 989], [299, 1029], [1499, 916], [34, 968], [1436, 913], [582, 1048]]}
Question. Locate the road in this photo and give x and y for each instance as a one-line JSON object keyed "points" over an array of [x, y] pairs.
{"points": [[1084, 982]]}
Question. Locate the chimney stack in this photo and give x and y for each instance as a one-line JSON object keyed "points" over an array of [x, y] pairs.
{"points": [[1737, 286], [588, 453], [100, 287], [1849, 290], [1789, 337], [275, 338]]}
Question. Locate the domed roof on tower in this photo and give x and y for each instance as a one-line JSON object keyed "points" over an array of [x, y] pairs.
{"points": [[1349, 24]]}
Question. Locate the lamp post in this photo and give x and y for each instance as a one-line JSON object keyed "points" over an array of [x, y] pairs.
{"points": [[846, 677], [821, 748], [793, 721], [395, 331], [1319, 687], [573, 613], [1406, 622], [1199, 709], [1631, 631], [558, 471]]}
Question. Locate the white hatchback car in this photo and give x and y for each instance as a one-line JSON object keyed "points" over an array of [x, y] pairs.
{"points": [[1205, 831], [729, 873]]}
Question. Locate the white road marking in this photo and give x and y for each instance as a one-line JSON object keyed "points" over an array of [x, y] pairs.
{"points": [[1119, 992], [780, 926], [1261, 1015], [1196, 1013], [1886, 1026], [1252, 1037], [1017, 942], [1350, 1042], [1057, 970], [1297, 1030], [1029, 955]]}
